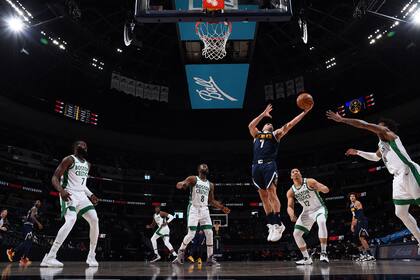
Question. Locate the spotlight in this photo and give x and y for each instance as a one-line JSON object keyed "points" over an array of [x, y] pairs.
{"points": [[416, 17], [15, 24]]}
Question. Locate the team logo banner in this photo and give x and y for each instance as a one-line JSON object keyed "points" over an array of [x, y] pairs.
{"points": [[217, 86]]}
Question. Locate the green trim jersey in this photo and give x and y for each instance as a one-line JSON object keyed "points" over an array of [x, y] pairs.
{"points": [[395, 157], [199, 195], [159, 220], [307, 197], [75, 177]]}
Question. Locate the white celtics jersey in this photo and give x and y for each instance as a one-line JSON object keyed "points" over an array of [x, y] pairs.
{"points": [[308, 198], [159, 220], [200, 193], [394, 156], [74, 178]]}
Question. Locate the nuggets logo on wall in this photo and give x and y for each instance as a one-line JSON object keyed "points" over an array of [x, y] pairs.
{"points": [[217, 86]]}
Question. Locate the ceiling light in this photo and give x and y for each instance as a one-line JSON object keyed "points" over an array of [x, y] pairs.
{"points": [[416, 16], [15, 24]]}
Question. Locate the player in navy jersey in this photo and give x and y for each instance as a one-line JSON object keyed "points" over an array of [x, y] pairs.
{"points": [[264, 167], [359, 227]]}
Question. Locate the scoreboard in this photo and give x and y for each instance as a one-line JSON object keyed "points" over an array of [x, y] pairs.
{"points": [[357, 105], [76, 112]]}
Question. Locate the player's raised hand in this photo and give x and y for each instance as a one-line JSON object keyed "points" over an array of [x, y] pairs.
{"points": [[267, 111], [351, 152], [334, 116], [225, 210]]}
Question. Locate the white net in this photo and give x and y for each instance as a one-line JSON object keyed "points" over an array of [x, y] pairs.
{"points": [[214, 36]]}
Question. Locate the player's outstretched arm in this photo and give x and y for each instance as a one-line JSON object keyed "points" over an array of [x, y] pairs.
{"points": [[291, 205], [366, 155], [279, 133], [383, 132], [253, 130], [317, 186], [55, 180], [152, 225], [217, 204], [188, 182]]}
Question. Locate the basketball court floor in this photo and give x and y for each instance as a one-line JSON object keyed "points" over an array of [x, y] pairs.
{"points": [[394, 270]]}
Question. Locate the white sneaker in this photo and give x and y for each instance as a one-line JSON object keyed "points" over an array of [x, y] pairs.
{"points": [[369, 258], [304, 261], [50, 262], [277, 232], [270, 232], [324, 258], [155, 259], [91, 260]]}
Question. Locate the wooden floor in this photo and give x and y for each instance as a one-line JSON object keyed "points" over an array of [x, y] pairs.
{"points": [[227, 270]]}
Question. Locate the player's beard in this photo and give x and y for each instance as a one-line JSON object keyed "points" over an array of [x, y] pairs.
{"points": [[82, 152]]}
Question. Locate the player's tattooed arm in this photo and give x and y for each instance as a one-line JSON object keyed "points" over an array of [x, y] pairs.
{"points": [[282, 131], [383, 132], [253, 130], [216, 204], [291, 205], [188, 182], [317, 186], [55, 180]]}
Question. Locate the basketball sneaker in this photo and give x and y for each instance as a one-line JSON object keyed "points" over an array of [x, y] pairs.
{"points": [[270, 232], [180, 258], [324, 258], [304, 261], [369, 258], [211, 261], [50, 261], [10, 254], [91, 260], [199, 261], [190, 259], [277, 232], [155, 259]]}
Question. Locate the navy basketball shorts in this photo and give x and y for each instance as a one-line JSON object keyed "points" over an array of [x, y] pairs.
{"points": [[361, 229], [264, 174]]}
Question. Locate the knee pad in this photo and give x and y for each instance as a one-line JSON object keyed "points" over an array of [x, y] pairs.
{"points": [[298, 235]]}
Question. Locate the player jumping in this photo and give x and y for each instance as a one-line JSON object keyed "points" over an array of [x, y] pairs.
{"points": [[201, 195], [76, 199], [306, 192], [359, 227], [406, 183], [161, 219], [264, 167]]}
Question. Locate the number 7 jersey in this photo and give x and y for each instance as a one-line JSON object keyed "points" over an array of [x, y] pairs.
{"points": [[74, 178], [308, 198], [199, 195]]}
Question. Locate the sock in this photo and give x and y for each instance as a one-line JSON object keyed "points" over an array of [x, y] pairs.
{"points": [[183, 246], [209, 250], [323, 248], [277, 218], [305, 254], [270, 220]]}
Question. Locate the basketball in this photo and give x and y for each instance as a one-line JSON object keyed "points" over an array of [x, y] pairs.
{"points": [[304, 101]]}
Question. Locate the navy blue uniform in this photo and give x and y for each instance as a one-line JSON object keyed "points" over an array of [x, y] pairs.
{"points": [[264, 167], [361, 228], [28, 227]]}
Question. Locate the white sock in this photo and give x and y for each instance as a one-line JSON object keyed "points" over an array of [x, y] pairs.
{"points": [[323, 248], [209, 250], [305, 254]]}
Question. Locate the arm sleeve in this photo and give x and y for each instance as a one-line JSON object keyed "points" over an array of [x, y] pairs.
{"points": [[369, 156], [170, 218], [88, 192]]}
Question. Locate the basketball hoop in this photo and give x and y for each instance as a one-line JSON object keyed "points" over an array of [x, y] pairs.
{"points": [[214, 36]]}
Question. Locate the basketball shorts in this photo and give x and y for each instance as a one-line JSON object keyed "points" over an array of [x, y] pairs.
{"points": [[79, 203], [162, 231], [198, 218], [308, 218], [406, 186], [361, 229], [264, 174]]}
